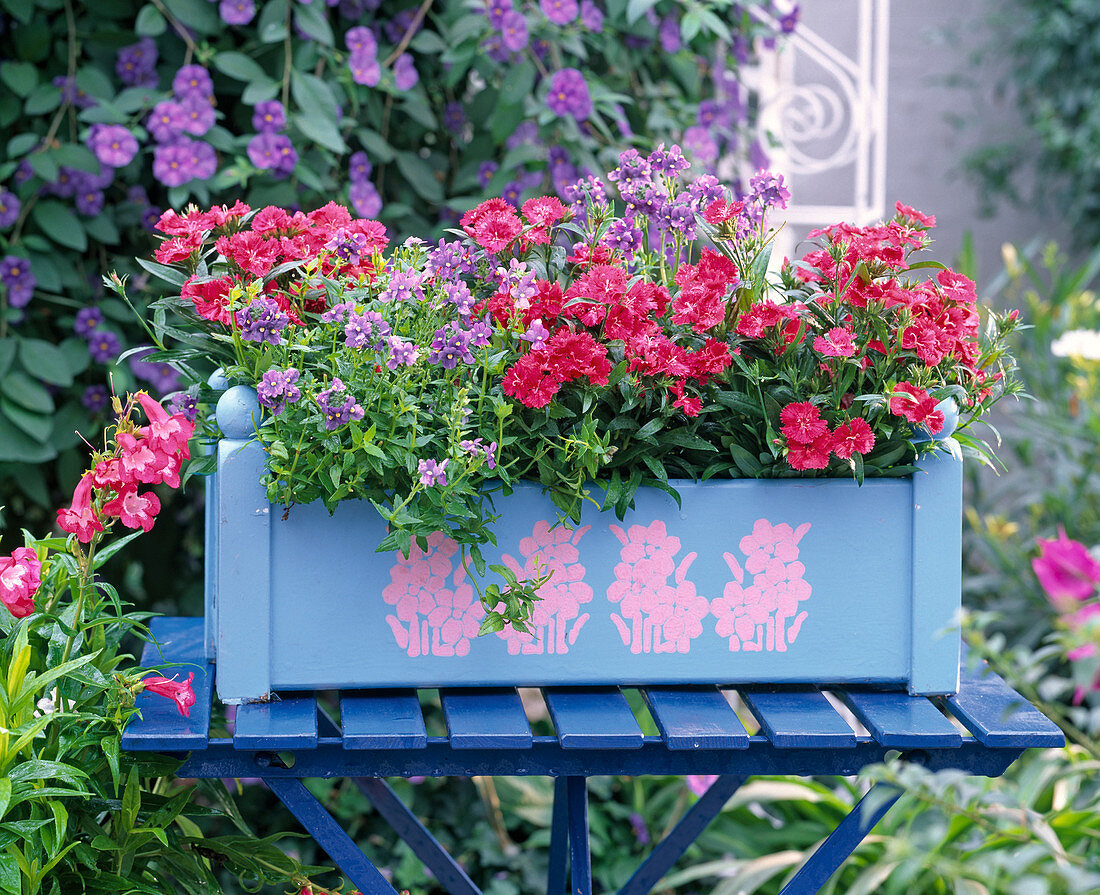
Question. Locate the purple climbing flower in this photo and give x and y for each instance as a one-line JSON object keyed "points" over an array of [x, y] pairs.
{"points": [[495, 10], [87, 319], [591, 16], [237, 12], [192, 80], [166, 121], [172, 162], [270, 152], [454, 118], [569, 95], [365, 69], [364, 198], [95, 398], [485, 172], [405, 75], [10, 207], [262, 321], [361, 40], [89, 202], [268, 116], [71, 93], [513, 31], [669, 35], [701, 144], [136, 64], [112, 144], [278, 388], [638, 825], [359, 167], [432, 472], [103, 346], [198, 114], [560, 12]]}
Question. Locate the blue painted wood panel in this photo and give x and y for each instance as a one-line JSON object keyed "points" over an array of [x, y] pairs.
{"points": [[289, 722], [485, 719], [799, 719], [593, 718], [901, 721], [385, 719], [999, 716], [695, 718]]}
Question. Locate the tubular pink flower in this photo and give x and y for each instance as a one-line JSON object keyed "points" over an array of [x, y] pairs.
{"points": [[20, 578], [170, 432], [179, 691], [79, 518], [1066, 570], [133, 509]]}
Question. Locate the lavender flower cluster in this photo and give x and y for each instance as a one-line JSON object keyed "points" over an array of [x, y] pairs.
{"points": [[177, 158]]}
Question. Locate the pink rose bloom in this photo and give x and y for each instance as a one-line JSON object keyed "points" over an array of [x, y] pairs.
{"points": [[1065, 569]]}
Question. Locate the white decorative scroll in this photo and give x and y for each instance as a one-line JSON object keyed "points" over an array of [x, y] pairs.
{"points": [[827, 109]]}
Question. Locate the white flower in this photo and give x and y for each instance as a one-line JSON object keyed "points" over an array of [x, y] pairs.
{"points": [[1081, 343], [47, 705]]}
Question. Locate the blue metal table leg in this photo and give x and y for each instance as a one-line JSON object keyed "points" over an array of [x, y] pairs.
{"points": [[312, 815], [668, 850], [580, 858], [559, 841], [414, 834], [840, 843]]}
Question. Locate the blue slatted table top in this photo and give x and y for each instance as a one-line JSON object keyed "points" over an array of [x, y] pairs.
{"points": [[689, 722]]}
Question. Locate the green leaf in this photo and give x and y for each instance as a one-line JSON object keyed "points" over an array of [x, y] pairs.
{"points": [[260, 91], [22, 144], [149, 22], [313, 20], [45, 98], [320, 130], [635, 9], [5, 795], [239, 67], [313, 95], [76, 156], [10, 877], [25, 392], [20, 77], [103, 230], [36, 425], [271, 26], [518, 85], [8, 348], [60, 224], [163, 272], [196, 14], [420, 176], [377, 148], [16, 447], [48, 362]]}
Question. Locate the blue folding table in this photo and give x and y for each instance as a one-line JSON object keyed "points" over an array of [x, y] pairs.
{"points": [[380, 734]]}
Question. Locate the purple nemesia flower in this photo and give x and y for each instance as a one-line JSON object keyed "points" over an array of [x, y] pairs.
{"points": [[495, 11], [512, 193], [560, 12], [480, 334], [402, 353], [432, 473], [477, 446], [338, 412], [769, 189], [278, 388], [198, 114], [404, 285], [704, 190], [454, 118], [112, 144], [237, 12], [136, 63], [365, 69], [268, 116], [485, 172], [347, 246], [337, 313], [669, 35], [536, 334], [458, 294], [513, 30], [10, 207], [451, 346], [191, 80], [103, 346], [405, 75], [185, 403], [89, 202], [361, 40], [359, 167], [569, 95], [364, 198], [623, 237], [66, 183], [172, 162], [166, 121], [591, 16], [95, 398], [359, 329], [87, 319], [701, 144], [262, 321]]}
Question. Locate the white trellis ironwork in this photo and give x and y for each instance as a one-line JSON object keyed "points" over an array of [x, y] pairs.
{"points": [[828, 111]]}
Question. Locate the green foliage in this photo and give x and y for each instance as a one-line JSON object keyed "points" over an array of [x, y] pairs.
{"points": [[1050, 50]]}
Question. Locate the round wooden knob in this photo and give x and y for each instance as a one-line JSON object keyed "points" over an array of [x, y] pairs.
{"points": [[238, 412]]}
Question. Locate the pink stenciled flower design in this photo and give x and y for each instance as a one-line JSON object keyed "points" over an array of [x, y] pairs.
{"points": [[764, 614], [657, 615], [557, 618], [437, 612]]}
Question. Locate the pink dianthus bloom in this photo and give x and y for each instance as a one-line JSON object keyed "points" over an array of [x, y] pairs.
{"points": [[837, 342], [802, 422], [1066, 570]]}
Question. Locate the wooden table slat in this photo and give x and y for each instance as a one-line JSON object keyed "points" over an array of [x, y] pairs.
{"points": [[489, 718], [593, 718], [695, 718]]}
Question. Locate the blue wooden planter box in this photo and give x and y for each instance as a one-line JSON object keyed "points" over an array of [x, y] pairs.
{"points": [[791, 581]]}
